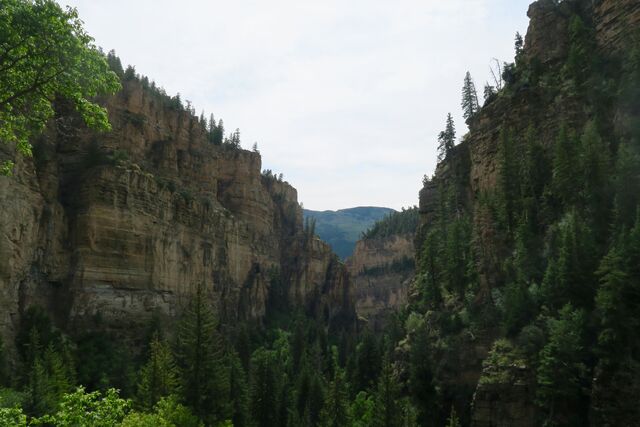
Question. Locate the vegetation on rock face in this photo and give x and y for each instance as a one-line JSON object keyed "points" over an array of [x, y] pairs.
{"points": [[541, 260], [395, 223]]}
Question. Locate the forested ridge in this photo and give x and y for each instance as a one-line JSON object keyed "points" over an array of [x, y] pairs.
{"points": [[523, 312]]}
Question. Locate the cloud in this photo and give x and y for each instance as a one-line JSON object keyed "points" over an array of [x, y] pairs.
{"points": [[346, 98]]}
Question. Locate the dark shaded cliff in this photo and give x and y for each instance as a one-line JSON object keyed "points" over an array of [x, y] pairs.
{"points": [[515, 238]]}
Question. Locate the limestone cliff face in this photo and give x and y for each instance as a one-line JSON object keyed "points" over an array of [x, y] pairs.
{"points": [[473, 169], [126, 224], [381, 269]]}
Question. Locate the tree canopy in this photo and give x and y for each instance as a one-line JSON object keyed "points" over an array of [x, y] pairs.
{"points": [[46, 54]]}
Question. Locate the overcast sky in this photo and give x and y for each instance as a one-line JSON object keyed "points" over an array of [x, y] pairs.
{"points": [[345, 97]]}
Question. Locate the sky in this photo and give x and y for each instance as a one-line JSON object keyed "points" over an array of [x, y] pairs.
{"points": [[344, 97]]}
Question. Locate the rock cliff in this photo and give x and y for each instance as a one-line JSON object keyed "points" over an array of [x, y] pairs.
{"points": [[381, 270], [124, 225]]}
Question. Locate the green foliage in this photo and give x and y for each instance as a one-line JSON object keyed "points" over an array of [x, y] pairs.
{"points": [[168, 408], [570, 273], [104, 362], [82, 409], [12, 417], [336, 410], [470, 105], [395, 223], [238, 391], [453, 420], [368, 362], [565, 166], [362, 409], [159, 377], [617, 298], [498, 367], [46, 53], [446, 139], [265, 388], [387, 408], [201, 360], [562, 373]]}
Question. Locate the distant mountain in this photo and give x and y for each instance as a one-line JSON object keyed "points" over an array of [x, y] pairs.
{"points": [[342, 228]]}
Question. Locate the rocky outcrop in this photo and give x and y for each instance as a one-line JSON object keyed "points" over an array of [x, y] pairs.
{"points": [[125, 225], [381, 269]]}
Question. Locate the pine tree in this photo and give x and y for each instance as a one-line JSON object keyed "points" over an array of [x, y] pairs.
{"points": [[387, 411], [569, 276], [159, 377], [562, 374], [446, 139], [265, 388], [368, 360], [200, 350], [564, 167], [453, 420], [595, 165], [59, 373], [336, 412], [626, 184], [470, 104], [519, 44], [238, 391]]}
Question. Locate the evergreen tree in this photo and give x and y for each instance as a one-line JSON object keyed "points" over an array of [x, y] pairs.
{"points": [[562, 374], [265, 388], [238, 391], [596, 168], [367, 362], [200, 350], [316, 399], [387, 411], [489, 93], [159, 377], [617, 299], [626, 184], [422, 382], [570, 271], [564, 167], [336, 412], [519, 44], [362, 410], [453, 420], [446, 139], [470, 105]]}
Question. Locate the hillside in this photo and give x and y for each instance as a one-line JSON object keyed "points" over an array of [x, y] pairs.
{"points": [[527, 252], [341, 229]]}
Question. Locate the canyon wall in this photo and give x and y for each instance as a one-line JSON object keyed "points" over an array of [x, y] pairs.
{"points": [[125, 225], [381, 270]]}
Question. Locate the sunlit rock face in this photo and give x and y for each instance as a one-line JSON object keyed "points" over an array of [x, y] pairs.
{"points": [[125, 225]]}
